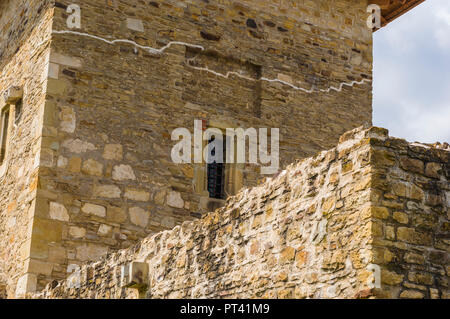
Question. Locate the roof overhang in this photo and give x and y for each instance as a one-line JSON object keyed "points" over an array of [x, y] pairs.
{"points": [[392, 9]]}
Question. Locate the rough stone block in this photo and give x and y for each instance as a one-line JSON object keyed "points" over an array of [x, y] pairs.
{"points": [[174, 199], [113, 152], [53, 71], [93, 209], [123, 172], [107, 191], [26, 284], [137, 195], [59, 212], [139, 216], [13, 94], [135, 24], [92, 167], [65, 60]]}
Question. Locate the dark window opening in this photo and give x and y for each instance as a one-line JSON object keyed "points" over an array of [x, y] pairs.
{"points": [[4, 133], [18, 108], [216, 176]]}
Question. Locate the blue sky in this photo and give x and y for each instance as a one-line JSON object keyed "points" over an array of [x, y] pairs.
{"points": [[412, 74]]}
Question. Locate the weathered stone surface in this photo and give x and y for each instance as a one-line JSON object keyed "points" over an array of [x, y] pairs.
{"points": [[174, 200], [433, 170], [58, 58], [107, 135], [26, 284], [113, 152], [302, 238], [287, 255], [400, 217], [139, 216], [107, 191], [74, 165], [62, 162], [40, 267], [413, 258], [87, 100], [93, 209], [104, 230], [123, 172], [59, 212], [412, 236], [53, 71], [78, 146], [411, 294], [412, 164], [56, 87], [92, 167], [116, 214], [67, 119], [77, 232], [87, 252], [137, 195], [380, 212], [24, 62], [135, 24], [421, 278], [391, 278]]}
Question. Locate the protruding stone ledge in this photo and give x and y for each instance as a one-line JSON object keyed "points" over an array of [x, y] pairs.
{"points": [[13, 94]]}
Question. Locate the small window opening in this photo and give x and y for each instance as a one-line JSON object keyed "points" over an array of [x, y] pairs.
{"points": [[216, 176], [18, 110], [4, 122]]}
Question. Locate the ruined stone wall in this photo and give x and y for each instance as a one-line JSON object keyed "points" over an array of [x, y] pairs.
{"points": [[25, 29], [111, 107], [367, 219], [411, 199], [305, 233]]}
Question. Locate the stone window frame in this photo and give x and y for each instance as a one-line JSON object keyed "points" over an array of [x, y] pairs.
{"points": [[233, 173], [11, 98]]}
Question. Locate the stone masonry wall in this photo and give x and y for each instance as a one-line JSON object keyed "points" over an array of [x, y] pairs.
{"points": [[411, 198], [367, 219], [108, 179], [25, 29], [304, 233]]}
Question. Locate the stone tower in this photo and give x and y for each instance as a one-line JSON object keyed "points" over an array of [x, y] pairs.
{"points": [[89, 102]]}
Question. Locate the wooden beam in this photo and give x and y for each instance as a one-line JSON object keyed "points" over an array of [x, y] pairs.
{"points": [[392, 9], [404, 8]]}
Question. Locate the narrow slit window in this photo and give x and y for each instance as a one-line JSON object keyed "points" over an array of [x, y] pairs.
{"points": [[216, 176], [4, 133], [18, 111]]}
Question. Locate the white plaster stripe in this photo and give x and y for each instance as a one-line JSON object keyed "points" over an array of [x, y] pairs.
{"points": [[148, 48], [227, 75], [206, 69]]}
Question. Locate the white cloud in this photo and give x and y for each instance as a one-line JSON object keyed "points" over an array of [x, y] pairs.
{"points": [[442, 31], [418, 126], [411, 74]]}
